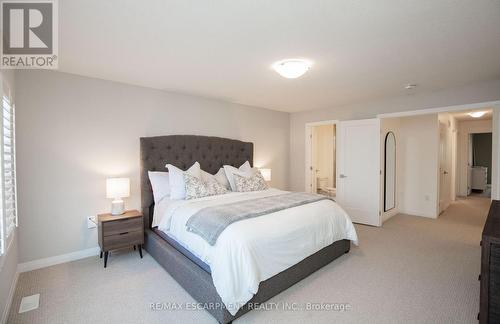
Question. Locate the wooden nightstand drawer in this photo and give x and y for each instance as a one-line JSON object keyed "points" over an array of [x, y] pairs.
{"points": [[119, 231], [122, 225], [123, 239]]}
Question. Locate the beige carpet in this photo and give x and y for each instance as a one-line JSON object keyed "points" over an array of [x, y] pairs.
{"points": [[413, 270]]}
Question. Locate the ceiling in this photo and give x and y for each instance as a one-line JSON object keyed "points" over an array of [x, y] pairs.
{"points": [[464, 115], [223, 49]]}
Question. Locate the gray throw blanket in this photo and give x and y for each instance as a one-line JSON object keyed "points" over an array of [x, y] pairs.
{"points": [[209, 222]]}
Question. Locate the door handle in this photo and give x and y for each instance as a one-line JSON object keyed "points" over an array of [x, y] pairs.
{"points": [[342, 176], [445, 172]]}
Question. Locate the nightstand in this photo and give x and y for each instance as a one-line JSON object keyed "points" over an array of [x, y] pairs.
{"points": [[118, 231]]}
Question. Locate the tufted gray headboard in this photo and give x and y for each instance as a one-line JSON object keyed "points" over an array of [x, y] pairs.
{"points": [[182, 151]]}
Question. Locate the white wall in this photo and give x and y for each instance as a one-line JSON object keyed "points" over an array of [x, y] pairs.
{"points": [[464, 129], [480, 92], [8, 261], [74, 131], [418, 165]]}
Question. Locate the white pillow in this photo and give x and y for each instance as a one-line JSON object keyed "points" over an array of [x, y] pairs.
{"points": [[160, 184], [245, 170], [219, 177], [222, 179], [176, 179], [207, 177]]}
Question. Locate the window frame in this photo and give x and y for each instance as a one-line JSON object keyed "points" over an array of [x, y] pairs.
{"points": [[6, 239]]}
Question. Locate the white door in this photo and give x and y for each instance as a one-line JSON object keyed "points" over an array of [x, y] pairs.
{"points": [[358, 170]]}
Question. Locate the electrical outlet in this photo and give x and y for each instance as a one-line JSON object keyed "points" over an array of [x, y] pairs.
{"points": [[91, 222]]}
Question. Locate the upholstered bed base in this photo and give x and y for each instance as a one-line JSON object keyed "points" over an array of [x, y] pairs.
{"points": [[198, 283], [212, 153]]}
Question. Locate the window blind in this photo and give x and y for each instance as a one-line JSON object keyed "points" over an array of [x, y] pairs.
{"points": [[9, 167]]}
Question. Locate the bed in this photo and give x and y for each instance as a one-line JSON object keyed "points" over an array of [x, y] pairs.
{"points": [[192, 273]]}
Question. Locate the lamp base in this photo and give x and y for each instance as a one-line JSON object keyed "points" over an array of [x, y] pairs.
{"points": [[117, 207]]}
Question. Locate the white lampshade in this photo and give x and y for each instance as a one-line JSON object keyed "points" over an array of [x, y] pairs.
{"points": [[117, 187], [266, 174]]}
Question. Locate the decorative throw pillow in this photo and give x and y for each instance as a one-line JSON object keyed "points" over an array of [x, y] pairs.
{"points": [[215, 188], [176, 179], [244, 170], [197, 188], [253, 183]]}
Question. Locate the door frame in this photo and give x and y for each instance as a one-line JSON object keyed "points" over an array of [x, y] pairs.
{"points": [[470, 158], [308, 150], [443, 202]]}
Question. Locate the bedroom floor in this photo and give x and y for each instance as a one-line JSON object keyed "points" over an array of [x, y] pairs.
{"points": [[414, 269]]}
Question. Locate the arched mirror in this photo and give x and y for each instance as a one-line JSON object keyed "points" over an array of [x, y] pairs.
{"points": [[390, 172]]}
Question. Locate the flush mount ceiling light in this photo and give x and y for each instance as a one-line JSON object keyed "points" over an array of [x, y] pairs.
{"points": [[410, 86], [292, 68], [477, 114]]}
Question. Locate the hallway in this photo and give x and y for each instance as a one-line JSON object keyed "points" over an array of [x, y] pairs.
{"points": [[471, 210]]}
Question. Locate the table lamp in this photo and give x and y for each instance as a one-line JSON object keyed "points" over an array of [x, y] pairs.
{"points": [[116, 189], [266, 174]]}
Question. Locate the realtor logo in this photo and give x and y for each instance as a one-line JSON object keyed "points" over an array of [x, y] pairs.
{"points": [[29, 34]]}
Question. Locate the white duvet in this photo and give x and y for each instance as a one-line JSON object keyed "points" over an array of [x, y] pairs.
{"points": [[253, 250]]}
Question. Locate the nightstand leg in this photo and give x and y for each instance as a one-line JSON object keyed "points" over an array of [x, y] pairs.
{"points": [[100, 257], [134, 247], [140, 250], [105, 258]]}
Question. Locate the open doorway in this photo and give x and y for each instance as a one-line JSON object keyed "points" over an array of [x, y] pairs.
{"points": [[479, 179], [321, 173], [475, 150]]}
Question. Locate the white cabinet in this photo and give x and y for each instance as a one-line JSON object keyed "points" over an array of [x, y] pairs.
{"points": [[479, 177]]}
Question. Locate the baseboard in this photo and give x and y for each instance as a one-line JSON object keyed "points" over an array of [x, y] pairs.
{"points": [[63, 258], [12, 290]]}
